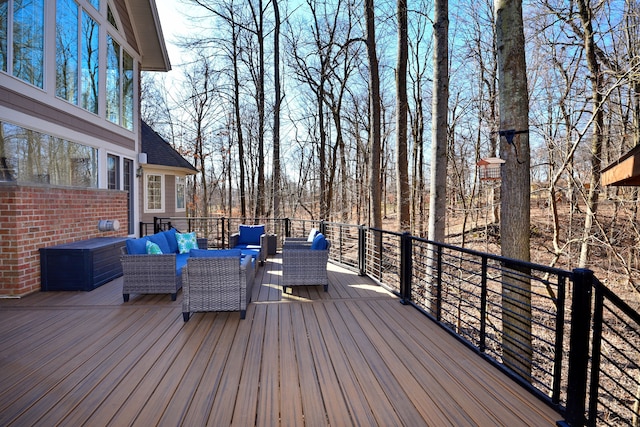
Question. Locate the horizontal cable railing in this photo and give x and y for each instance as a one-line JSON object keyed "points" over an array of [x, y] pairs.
{"points": [[561, 334]]}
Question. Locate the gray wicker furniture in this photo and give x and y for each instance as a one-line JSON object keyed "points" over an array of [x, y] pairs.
{"points": [[217, 284], [251, 237], [301, 241], [153, 274], [302, 266]]}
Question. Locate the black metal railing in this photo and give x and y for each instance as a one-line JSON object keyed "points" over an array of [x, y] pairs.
{"points": [[561, 334]]}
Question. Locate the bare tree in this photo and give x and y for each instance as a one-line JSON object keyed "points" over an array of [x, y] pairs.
{"points": [[440, 105], [375, 137], [515, 201], [598, 123], [276, 110], [402, 164]]}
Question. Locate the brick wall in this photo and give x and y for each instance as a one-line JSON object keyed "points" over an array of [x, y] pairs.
{"points": [[33, 217]]}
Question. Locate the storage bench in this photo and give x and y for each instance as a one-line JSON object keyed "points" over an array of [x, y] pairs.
{"points": [[82, 265]]}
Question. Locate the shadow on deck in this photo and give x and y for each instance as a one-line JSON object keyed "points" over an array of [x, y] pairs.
{"points": [[350, 356]]}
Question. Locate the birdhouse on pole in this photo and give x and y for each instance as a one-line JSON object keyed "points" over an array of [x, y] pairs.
{"points": [[489, 168]]}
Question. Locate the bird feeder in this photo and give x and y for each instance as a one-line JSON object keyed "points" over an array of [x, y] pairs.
{"points": [[489, 168]]}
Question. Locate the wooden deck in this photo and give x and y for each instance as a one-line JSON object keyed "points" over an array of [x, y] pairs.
{"points": [[351, 356]]}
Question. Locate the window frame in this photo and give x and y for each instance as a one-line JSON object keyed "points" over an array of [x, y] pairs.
{"points": [[181, 184], [147, 193]]}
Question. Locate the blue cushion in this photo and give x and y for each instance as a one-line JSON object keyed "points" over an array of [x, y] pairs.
{"points": [[136, 246], [253, 253], [181, 261], [161, 241], [319, 242], [214, 253], [250, 234], [170, 235]]}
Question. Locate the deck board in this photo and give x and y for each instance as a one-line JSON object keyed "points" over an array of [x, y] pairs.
{"points": [[350, 356]]}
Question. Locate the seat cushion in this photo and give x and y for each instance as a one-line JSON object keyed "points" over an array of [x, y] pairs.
{"points": [[136, 246], [319, 243], [243, 247], [181, 261], [215, 253], [250, 234], [253, 253], [160, 240]]}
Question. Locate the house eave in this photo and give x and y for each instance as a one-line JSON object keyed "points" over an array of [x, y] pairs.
{"points": [[624, 171]]}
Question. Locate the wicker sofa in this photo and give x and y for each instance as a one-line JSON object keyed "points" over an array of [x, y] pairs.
{"points": [[159, 273], [219, 280], [304, 265]]}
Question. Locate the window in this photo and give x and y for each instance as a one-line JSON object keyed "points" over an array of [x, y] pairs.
{"points": [[22, 39], [113, 172], [89, 63], [33, 157], [127, 90], [119, 85], [180, 193], [154, 194], [113, 80], [110, 18], [67, 50], [4, 34]]}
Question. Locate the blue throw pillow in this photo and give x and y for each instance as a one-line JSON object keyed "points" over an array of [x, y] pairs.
{"points": [[214, 253], [170, 235], [160, 240], [250, 234], [319, 242], [136, 246]]}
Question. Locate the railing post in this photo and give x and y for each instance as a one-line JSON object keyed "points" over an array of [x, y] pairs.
{"points": [[579, 347], [362, 250], [287, 227], [323, 227], [156, 225], [483, 307], [406, 261], [224, 234]]}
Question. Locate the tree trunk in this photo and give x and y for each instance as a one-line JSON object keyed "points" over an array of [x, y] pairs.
{"points": [[440, 107], [598, 123], [374, 118], [238, 124], [438, 190], [402, 166], [276, 110], [515, 200]]}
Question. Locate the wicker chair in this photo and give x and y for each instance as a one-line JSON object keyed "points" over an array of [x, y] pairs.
{"points": [[251, 237], [300, 241], [217, 284], [152, 274], [302, 266]]}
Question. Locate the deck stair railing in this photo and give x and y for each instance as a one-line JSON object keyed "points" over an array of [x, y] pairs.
{"points": [[580, 340]]}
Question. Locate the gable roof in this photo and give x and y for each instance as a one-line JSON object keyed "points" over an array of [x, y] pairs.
{"points": [[160, 153], [148, 34]]}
